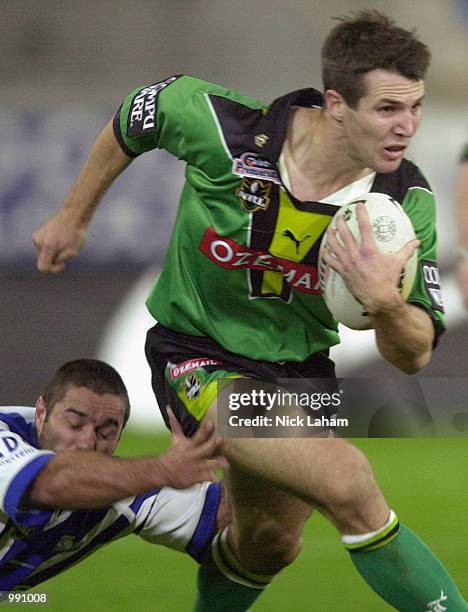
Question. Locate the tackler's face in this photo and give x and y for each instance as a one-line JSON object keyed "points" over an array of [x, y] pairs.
{"points": [[81, 420], [379, 130]]}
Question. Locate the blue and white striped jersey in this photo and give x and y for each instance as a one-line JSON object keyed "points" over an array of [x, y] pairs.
{"points": [[38, 544]]}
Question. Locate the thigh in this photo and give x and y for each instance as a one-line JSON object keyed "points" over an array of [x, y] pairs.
{"points": [[304, 467], [329, 474]]}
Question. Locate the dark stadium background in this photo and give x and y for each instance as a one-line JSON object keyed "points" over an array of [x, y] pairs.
{"points": [[65, 69]]}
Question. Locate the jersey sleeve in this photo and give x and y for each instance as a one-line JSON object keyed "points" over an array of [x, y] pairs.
{"points": [[176, 115], [20, 463], [181, 519], [419, 205]]}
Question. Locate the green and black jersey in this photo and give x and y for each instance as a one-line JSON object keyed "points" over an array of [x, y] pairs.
{"points": [[242, 262]]}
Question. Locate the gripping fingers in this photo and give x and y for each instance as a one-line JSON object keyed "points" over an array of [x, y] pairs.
{"points": [[334, 245], [204, 432], [332, 261], [408, 249], [211, 447], [174, 424], [346, 236], [365, 228]]}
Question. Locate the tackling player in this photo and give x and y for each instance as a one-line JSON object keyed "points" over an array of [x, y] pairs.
{"points": [[63, 496], [239, 291]]}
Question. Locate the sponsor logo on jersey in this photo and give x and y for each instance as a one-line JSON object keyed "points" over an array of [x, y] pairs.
{"points": [[288, 234], [8, 445], [254, 194], [176, 370], [384, 228], [143, 109], [11, 449], [233, 256], [252, 165], [431, 278]]}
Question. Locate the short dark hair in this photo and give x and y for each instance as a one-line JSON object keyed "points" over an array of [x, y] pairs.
{"points": [[365, 41], [95, 375]]}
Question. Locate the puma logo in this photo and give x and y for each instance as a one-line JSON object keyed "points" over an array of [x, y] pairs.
{"points": [[288, 234]]}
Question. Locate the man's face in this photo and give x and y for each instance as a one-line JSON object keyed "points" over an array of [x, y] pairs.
{"points": [[378, 131], [81, 420]]}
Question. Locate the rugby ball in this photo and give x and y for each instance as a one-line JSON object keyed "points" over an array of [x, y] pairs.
{"points": [[392, 229]]}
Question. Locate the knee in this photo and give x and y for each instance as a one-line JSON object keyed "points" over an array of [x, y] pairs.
{"points": [[269, 547], [350, 488], [284, 549]]}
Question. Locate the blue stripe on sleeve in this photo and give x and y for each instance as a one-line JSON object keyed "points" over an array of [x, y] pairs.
{"points": [[139, 499], [206, 525], [18, 487]]}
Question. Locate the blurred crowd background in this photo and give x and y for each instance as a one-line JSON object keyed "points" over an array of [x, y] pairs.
{"points": [[66, 67]]}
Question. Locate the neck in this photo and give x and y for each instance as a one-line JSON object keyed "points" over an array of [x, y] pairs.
{"points": [[316, 154]]}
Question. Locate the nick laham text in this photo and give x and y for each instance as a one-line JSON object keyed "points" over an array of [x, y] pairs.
{"points": [[286, 421]]}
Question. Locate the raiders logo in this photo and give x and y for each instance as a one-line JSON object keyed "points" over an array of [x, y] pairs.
{"points": [[254, 194], [192, 386]]}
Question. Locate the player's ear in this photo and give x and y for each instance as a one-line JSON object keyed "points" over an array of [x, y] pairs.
{"points": [[41, 413], [334, 104]]}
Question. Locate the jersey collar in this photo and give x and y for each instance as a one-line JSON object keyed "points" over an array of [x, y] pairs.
{"points": [[270, 131]]}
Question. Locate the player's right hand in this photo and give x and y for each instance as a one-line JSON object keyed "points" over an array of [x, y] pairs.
{"points": [[192, 460], [58, 239]]}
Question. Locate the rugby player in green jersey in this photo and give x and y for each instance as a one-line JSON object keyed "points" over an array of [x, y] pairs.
{"points": [[461, 202], [239, 295]]}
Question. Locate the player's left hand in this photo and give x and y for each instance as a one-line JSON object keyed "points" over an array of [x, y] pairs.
{"points": [[192, 460], [370, 275]]}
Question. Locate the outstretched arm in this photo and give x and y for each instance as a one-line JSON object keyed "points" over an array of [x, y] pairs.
{"points": [[79, 480], [62, 236]]}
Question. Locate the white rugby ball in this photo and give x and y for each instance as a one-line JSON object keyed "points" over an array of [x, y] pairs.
{"points": [[392, 229]]}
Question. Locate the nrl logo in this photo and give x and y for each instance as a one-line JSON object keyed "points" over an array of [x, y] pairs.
{"points": [[254, 195]]}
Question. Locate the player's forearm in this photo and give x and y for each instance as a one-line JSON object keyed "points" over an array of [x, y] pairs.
{"points": [[404, 335], [76, 480], [461, 205], [105, 162]]}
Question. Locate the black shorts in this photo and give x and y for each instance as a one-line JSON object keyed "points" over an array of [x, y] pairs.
{"points": [[186, 370]]}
